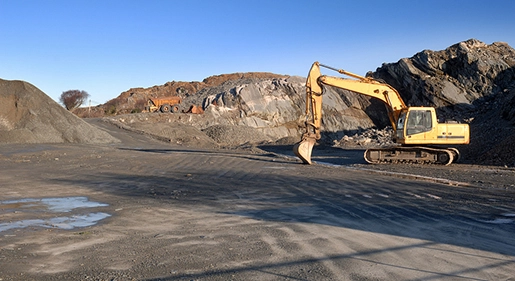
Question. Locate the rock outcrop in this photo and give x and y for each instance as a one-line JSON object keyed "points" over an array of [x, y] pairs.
{"points": [[456, 80], [469, 81], [259, 110], [27, 115], [135, 99], [276, 107]]}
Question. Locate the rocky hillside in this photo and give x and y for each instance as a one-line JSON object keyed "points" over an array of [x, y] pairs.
{"points": [[457, 80], [271, 108], [135, 99], [471, 82]]}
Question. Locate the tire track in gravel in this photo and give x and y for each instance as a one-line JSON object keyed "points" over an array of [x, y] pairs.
{"points": [[330, 194], [309, 211]]}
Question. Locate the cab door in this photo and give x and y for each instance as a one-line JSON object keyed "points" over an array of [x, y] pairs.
{"points": [[419, 126]]}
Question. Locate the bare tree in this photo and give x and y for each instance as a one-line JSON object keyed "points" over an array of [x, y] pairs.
{"points": [[72, 99]]}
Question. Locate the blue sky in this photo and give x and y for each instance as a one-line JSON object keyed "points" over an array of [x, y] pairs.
{"points": [[105, 47]]}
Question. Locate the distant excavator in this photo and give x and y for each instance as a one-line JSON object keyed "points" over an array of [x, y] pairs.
{"points": [[422, 139]]}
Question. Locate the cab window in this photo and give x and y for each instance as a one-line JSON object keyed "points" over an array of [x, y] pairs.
{"points": [[400, 125], [419, 121], [400, 122]]}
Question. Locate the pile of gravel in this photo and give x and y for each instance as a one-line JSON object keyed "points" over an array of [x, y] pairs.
{"points": [[367, 138], [230, 135], [27, 115]]}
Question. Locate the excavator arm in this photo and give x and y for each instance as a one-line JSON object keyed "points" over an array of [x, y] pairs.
{"points": [[361, 85]]}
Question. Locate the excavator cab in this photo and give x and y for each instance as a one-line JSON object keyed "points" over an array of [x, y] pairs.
{"points": [[420, 126], [413, 121]]}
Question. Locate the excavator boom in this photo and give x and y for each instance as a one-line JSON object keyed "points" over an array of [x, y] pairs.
{"points": [[313, 116], [314, 91]]}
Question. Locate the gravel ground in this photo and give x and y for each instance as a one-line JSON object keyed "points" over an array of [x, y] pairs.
{"points": [[191, 213]]}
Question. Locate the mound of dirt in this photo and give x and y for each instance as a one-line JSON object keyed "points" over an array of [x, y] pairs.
{"points": [[471, 82], [170, 128], [228, 135], [27, 115]]}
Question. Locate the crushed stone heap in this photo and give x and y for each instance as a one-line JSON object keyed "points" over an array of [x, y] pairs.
{"points": [[471, 82], [27, 115]]}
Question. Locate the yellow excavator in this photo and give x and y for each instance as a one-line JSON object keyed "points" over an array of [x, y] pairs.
{"points": [[420, 137]]}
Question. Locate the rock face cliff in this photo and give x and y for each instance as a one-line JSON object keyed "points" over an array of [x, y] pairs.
{"points": [[135, 99], [276, 107], [469, 81], [270, 104], [457, 80], [257, 110]]}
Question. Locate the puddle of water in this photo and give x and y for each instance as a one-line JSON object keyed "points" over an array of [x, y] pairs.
{"points": [[54, 205], [58, 222], [64, 204], [500, 221]]}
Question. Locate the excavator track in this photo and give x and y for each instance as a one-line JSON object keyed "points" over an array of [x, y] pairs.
{"points": [[418, 155]]}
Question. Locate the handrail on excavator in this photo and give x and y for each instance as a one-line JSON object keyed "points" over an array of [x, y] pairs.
{"points": [[345, 72]]}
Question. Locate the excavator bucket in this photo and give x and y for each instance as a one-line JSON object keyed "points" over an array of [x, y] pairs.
{"points": [[303, 149]]}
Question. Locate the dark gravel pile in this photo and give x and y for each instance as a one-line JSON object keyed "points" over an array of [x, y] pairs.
{"points": [[27, 115]]}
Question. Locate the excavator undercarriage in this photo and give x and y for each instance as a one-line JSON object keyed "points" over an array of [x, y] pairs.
{"points": [[415, 154]]}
